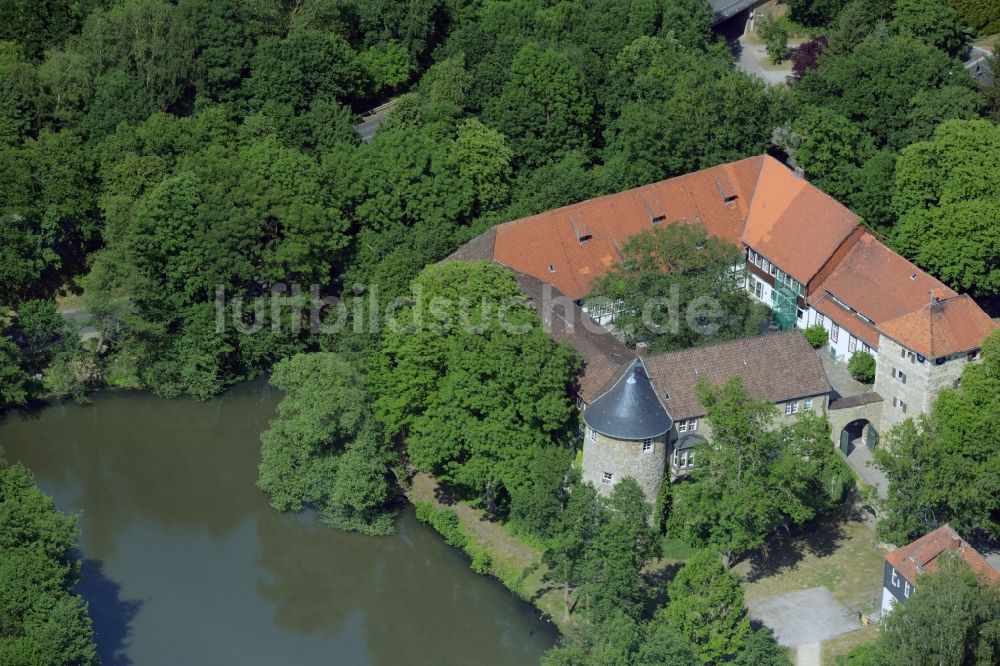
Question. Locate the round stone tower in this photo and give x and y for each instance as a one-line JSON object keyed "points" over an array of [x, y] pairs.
{"points": [[627, 432]]}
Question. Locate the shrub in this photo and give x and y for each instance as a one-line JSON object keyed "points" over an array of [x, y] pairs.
{"points": [[816, 336], [774, 34], [481, 560], [862, 367]]}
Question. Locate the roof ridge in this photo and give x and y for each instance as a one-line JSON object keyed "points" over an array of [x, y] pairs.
{"points": [[756, 188]]}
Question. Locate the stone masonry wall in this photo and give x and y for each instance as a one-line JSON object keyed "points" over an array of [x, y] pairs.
{"points": [[623, 458], [923, 381]]}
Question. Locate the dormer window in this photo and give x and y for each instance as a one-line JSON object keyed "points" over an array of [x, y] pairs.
{"points": [[552, 268]]}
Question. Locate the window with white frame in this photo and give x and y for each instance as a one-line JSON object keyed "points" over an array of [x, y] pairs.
{"points": [[788, 409], [866, 348], [834, 332], [593, 435], [907, 589], [795, 407], [820, 318], [895, 578], [852, 344], [766, 266], [606, 477], [807, 403], [677, 458], [647, 445], [692, 424], [690, 460], [682, 426]]}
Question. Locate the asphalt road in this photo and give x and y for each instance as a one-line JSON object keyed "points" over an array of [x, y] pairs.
{"points": [[370, 122], [979, 66]]}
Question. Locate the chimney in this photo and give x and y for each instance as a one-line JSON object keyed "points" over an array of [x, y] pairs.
{"points": [[641, 348]]}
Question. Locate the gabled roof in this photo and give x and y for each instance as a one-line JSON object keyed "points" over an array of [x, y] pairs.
{"points": [[774, 367], [604, 356], [630, 409], [571, 247], [794, 224], [847, 320], [941, 327], [902, 287], [922, 555]]}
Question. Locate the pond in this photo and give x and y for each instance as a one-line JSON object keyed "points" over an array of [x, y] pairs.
{"points": [[185, 562]]}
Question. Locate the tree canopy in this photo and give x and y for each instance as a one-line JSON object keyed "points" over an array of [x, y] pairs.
{"points": [[755, 474], [947, 197], [675, 289], [950, 619], [471, 381], [325, 449], [41, 621]]}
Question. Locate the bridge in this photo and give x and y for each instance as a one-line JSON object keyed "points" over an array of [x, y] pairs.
{"points": [[726, 9]]}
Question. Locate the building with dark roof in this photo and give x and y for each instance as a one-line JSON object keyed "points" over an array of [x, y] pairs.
{"points": [[627, 433], [807, 257]]}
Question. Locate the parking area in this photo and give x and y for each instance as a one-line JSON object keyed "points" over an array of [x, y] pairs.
{"points": [[804, 617]]}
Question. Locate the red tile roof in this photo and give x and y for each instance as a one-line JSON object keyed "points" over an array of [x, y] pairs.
{"points": [[922, 555], [548, 245], [794, 224], [761, 202], [941, 328], [902, 287], [847, 320]]}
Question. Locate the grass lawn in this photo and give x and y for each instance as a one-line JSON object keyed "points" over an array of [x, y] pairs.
{"points": [[990, 42], [841, 645], [516, 563], [841, 556]]}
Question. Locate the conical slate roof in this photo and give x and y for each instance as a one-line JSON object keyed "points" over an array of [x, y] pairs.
{"points": [[630, 409]]}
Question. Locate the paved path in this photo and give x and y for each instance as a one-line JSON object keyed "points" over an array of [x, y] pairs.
{"points": [[860, 459], [843, 383], [978, 65], [804, 617], [809, 654], [369, 123]]}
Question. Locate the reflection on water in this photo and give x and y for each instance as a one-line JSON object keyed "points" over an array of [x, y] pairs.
{"points": [[184, 562]]}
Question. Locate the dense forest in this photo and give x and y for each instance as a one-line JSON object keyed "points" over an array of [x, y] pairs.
{"points": [[157, 156]]}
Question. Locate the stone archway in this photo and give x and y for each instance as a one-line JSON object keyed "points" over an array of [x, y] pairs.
{"points": [[858, 433]]}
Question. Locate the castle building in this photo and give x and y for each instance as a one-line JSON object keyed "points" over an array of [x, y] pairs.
{"points": [[627, 434], [806, 256]]}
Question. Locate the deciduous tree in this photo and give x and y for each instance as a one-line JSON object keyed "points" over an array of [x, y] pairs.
{"points": [[41, 620], [706, 606], [755, 475], [677, 289]]}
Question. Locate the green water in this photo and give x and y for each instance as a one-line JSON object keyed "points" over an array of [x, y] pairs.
{"points": [[186, 564]]}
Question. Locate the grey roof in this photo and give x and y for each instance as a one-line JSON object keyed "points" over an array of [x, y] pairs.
{"points": [[689, 441], [630, 409]]}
